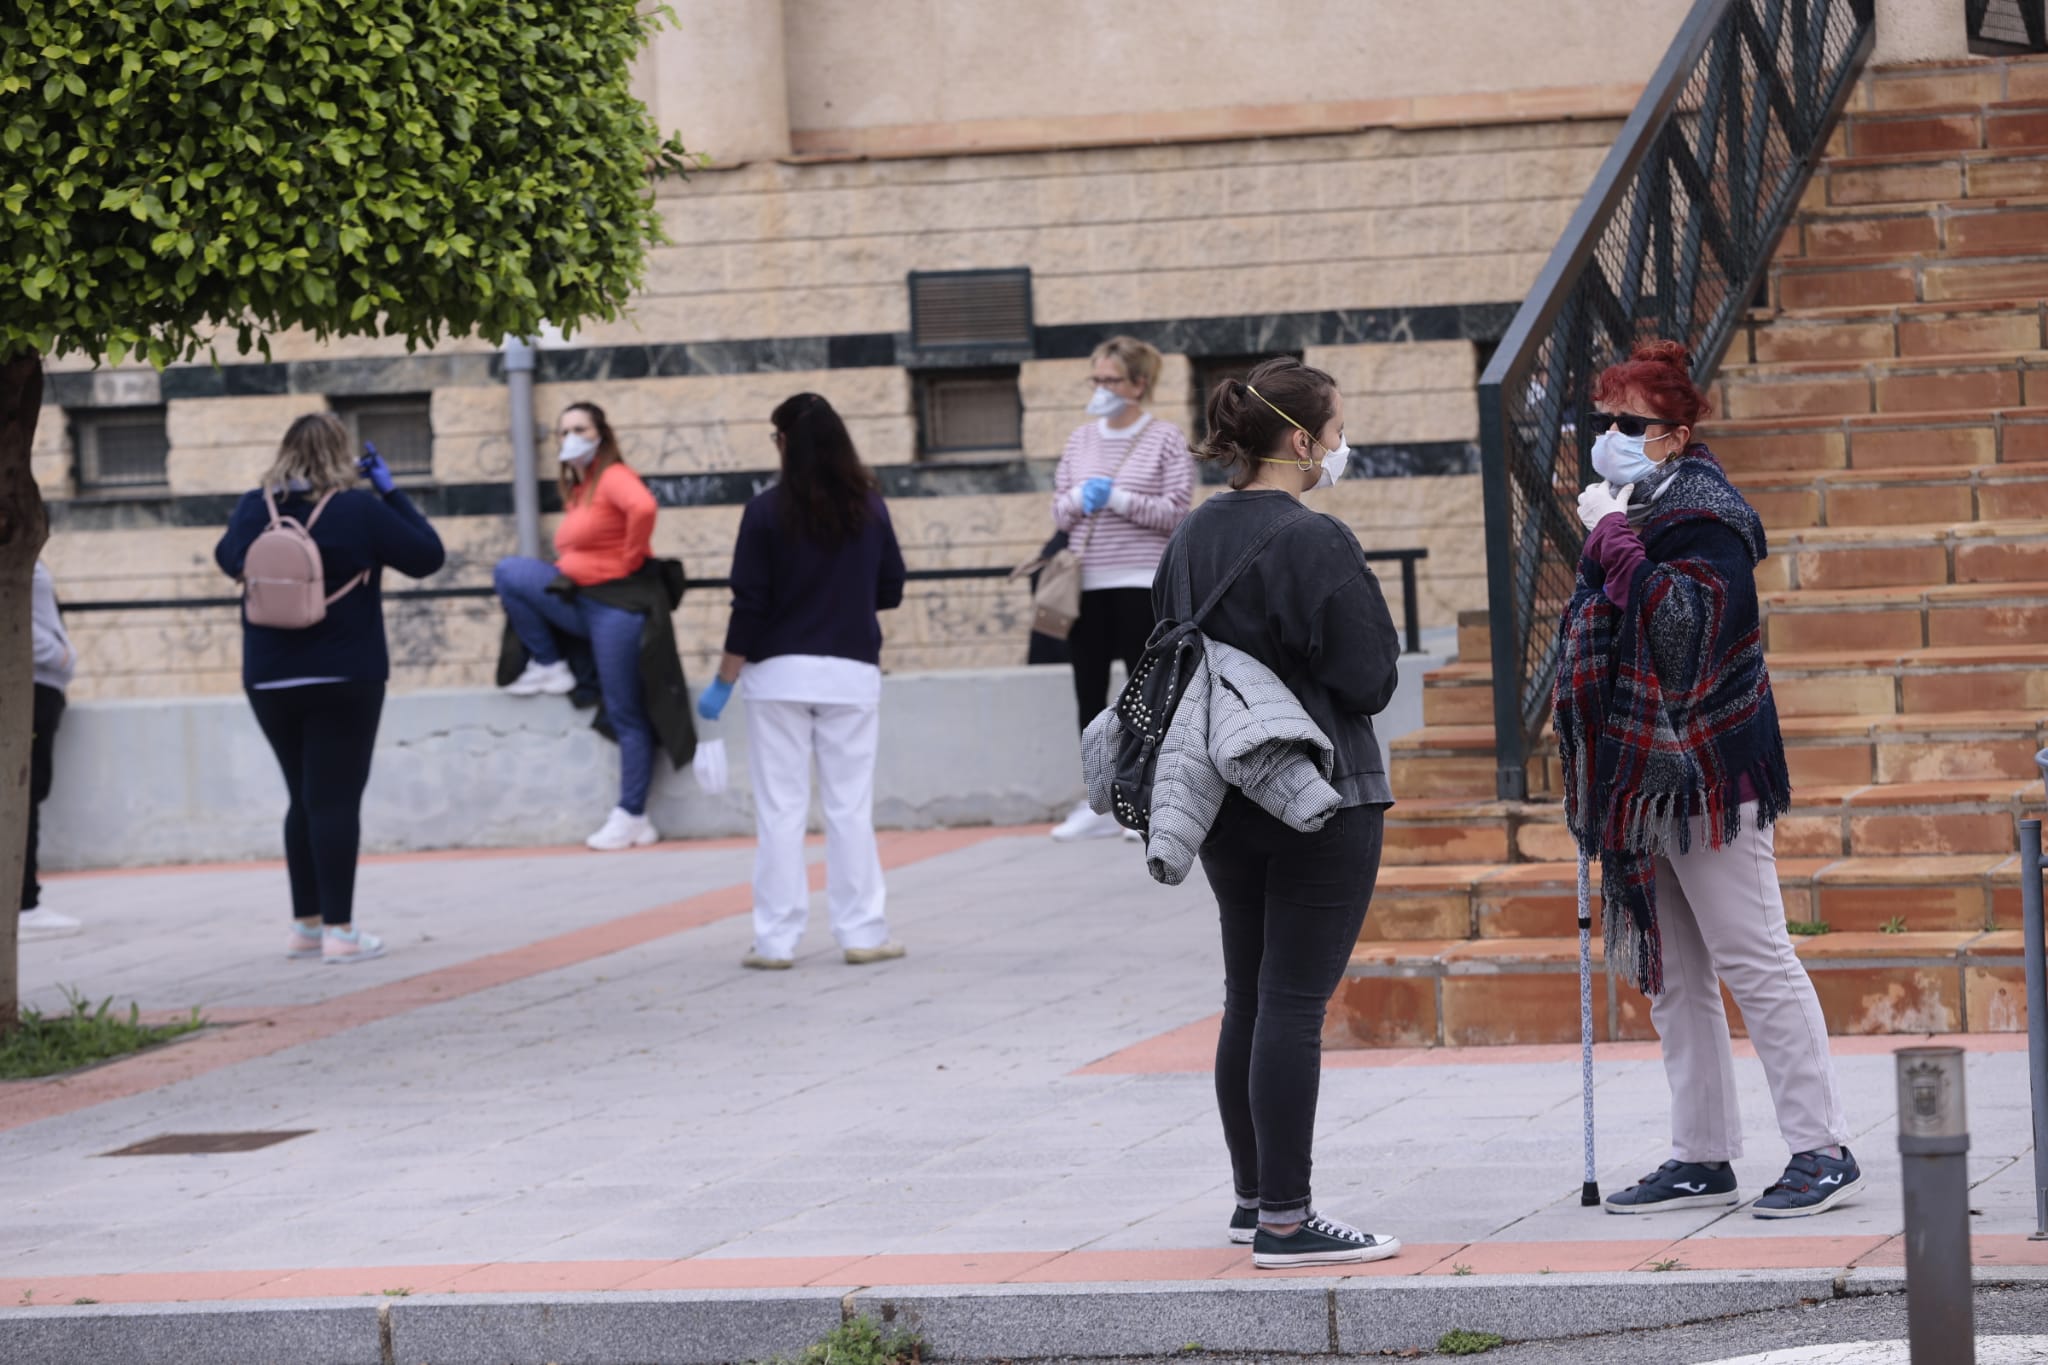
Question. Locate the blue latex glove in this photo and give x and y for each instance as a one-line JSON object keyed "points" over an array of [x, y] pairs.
{"points": [[373, 468], [1095, 495], [712, 704]]}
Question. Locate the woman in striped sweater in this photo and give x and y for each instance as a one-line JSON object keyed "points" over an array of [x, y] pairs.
{"points": [[1125, 481]]}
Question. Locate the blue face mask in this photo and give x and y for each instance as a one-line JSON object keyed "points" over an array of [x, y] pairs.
{"points": [[1620, 459]]}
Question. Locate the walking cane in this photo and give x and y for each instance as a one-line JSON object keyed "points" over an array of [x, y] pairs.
{"points": [[1589, 1192]]}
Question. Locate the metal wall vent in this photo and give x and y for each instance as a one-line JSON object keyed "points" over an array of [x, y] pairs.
{"points": [[970, 309], [202, 1144]]}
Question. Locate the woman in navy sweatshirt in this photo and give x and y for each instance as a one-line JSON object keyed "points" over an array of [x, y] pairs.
{"points": [[317, 692], [816, 560]]}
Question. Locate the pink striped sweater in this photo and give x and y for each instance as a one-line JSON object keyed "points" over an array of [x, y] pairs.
{"points": [[1155, 486]]}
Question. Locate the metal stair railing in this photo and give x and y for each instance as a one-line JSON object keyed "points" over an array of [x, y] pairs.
{"points": [[1672, 239]]}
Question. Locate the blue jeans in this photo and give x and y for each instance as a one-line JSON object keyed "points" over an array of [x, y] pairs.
{"points": [[614, 635]]}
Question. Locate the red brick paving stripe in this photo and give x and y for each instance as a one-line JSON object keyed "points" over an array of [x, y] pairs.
{"points": [[1191, 1048], [1011, 1267], [27, 1102], [426, 855]]}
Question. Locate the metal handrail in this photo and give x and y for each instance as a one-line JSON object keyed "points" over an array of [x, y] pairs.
{"points": [[1411, 603], [1672, 239]]}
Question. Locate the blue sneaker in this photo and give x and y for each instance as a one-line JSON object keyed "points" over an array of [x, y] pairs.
{"points": [[1813, 1183], [1678, 1185]]}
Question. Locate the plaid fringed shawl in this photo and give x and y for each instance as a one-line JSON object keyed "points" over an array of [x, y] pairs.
{"points": [[1664, 707]]}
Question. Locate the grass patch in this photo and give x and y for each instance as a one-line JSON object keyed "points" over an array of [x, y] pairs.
{"points": [[858, 1341], [1461, 1342], [1460, 1268], [1808, 928], [46, 1044], [1895, 925], [1673, 1264]]}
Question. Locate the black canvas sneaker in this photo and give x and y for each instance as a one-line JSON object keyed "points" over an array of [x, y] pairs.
{"points": [[1678, 1185], [1243, 1223], [1320, 1241]]}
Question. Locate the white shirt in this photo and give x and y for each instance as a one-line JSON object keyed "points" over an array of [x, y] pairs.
{"points": [[812, 679]]}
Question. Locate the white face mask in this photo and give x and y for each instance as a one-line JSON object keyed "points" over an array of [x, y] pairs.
{"points": [[1334, 464], [1106, 402], [578, 448], [1620, 459]]}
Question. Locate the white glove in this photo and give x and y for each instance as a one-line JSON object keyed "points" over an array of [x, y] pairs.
{"points": [[710, 766], [1598, 502]]}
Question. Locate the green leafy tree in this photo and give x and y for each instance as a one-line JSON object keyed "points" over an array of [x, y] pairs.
{"points": [[178, 176]]}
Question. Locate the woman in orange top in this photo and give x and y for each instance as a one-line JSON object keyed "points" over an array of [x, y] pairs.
{"points": [[606, 533]]}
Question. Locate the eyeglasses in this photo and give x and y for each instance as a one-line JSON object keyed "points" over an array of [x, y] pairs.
{"points": [[1628, 423]]}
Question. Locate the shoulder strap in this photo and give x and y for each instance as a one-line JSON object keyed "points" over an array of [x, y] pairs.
{"points": [[1185, 579], [276, 517], [307, 526], [1088, 533], [318, 508]]}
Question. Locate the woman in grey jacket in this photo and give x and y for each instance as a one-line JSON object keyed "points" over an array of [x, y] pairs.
{"points": [[1291, 903]]}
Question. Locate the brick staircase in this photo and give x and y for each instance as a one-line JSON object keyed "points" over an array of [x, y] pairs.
{"points": [[1887, 414]]}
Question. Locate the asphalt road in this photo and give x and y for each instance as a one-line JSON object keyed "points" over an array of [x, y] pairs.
{"points": [[2017, 1311]]}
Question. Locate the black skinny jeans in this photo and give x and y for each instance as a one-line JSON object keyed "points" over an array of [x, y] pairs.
{"points": [[1114, 624], [49, 710], [1292, 905], [322, 735]]}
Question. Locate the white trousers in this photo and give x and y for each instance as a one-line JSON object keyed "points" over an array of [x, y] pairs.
{"points": [[782, 738], [1722, 918]]}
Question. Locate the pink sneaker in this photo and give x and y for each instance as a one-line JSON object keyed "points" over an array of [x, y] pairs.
{"points": [[341, 946], [305, 943]]}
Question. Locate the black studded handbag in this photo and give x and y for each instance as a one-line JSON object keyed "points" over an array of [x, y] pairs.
{"points": [[1146, 706]]}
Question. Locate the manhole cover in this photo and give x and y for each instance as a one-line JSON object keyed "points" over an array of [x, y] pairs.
{"points": [[196, 1144]]}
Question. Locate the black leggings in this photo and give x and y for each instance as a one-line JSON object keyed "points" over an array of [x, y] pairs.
{"points": [[1114, 624], [49, 710], [322, 734], [1291, 905]]}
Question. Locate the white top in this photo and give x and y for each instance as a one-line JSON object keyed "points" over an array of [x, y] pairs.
{"points": [[814, 679]]}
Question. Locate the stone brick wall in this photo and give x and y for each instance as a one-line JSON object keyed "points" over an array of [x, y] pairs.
{"points": [[771, 258]]}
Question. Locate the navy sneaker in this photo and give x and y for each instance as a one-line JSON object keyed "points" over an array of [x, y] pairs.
{"points": [[1813, 1183], [1320, 1241], [1243, 1223], [1678, 1185]]}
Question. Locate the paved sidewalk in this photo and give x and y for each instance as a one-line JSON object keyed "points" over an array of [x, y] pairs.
{"points": [[561, 1081]]}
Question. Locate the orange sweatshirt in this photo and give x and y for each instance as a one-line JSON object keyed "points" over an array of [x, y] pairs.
{"points": [[608, 534]]}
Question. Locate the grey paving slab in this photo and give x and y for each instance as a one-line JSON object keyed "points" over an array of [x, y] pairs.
{"points": [[1027, 1321], [933, 1105], [1399, 1315], [311, 1333], [592, 1329]]}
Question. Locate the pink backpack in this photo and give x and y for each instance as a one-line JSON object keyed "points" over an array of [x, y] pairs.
{"points": [[284, 581]]}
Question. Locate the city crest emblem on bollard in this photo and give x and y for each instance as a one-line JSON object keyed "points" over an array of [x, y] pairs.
{"points": [[1926, 1082]]}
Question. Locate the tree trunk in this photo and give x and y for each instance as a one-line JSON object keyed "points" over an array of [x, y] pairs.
{"points": [[23, 529]]}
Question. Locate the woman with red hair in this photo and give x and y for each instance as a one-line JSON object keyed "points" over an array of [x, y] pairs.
{"points": [[1674, 774]]}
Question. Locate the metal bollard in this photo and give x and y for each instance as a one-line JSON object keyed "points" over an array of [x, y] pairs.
{"points": [[2032, 938], [1934, 1142]]}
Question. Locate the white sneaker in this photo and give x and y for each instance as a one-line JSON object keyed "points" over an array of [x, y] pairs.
{"points": [[40, 923], [623, 831], [1082, 823], [340, 947], [539, 679]]}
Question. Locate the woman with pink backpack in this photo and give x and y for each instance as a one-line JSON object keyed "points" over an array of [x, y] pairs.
{"points": [[309, 547]]}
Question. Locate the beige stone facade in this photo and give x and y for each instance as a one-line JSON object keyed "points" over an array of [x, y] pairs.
{"points": [[1390, 254]]}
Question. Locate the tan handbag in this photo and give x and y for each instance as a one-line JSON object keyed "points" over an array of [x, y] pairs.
{"points": [[1056, 601]]}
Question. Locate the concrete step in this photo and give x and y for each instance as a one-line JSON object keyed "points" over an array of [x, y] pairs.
{"points": [[1906, 618], [1866, 682], [1967, 82], [1875, 281], [2006, 125], [1886, 331], [1834, 558], [1891, 820], [1918, 384], [1906, 178], [1832, 750], [1797, 504], [1468, 992], [1885, 440], [1953, 229]]}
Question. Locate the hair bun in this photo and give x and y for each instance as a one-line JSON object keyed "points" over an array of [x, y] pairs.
{"points": [[1662, 352]]}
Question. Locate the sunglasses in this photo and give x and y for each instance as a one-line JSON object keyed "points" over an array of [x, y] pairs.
{"points": [[1628, 423]]}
